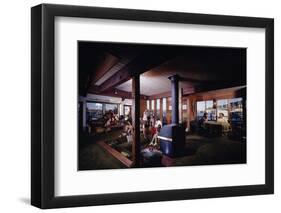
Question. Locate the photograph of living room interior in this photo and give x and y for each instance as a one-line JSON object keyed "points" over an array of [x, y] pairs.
{"points": [[152, 105]]}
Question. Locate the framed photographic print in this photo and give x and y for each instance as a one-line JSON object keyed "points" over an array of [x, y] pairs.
{"points": [[140, 106]]}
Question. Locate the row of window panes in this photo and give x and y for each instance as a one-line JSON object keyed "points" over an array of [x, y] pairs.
{"points": [[96, 110], [164, 105], [225, 109], [158, 103]]}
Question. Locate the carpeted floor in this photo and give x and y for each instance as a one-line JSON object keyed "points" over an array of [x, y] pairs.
{"points": [[199, 150], [205, 151]]}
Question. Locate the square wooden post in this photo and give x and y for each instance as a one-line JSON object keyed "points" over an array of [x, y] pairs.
{"points": [[136, 120], [175, 98]]}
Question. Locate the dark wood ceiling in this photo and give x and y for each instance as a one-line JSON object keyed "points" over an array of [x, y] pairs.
{"points": [[105, 68]]}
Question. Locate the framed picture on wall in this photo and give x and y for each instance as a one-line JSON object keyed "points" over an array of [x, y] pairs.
{"points": [[122, 96]]}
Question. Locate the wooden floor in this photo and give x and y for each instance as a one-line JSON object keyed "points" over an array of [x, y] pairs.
{"points": [[127, 162]]}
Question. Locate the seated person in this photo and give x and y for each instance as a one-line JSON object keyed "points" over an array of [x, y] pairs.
{"points": [[204, 119], [202, 122], [111, 120], [89, 127], [221, 118], [155, 130], [146, 131], [158, 123], [128, 118], [145, 121], [128, 128], [145, 116], [122, 120], [152, 120], [154, 140], [164, 121]]}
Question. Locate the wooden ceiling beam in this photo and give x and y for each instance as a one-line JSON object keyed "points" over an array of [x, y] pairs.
{"points": [[107, 63], [118, 78], [137, 66], [115, 93]]}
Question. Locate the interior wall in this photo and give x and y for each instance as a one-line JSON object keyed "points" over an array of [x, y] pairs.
{"points": [[169, 110], [192, 99], [142, 106]]}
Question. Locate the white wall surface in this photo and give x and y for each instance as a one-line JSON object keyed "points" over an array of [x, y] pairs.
{"points": [[15, 105]]}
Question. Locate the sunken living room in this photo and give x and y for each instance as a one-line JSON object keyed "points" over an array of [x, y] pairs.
{"points": [[149, 105]]}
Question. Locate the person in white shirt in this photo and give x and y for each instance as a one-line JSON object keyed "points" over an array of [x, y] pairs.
{"points": [[221, 118], [158, 126], [158, 123], [145, 115]]}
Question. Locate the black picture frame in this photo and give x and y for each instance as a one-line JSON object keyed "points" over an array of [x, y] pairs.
{"points": [[43, 117]]}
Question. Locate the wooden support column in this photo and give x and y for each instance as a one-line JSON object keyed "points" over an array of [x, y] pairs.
{"points": [[180, 105], [244, 105], [84, 115], [136, 120], [175, 98]]}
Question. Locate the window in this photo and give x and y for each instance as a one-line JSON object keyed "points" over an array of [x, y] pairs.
{"points": [[200, 109], [94, 111], [222, 109], [206, 107], [210, 110], [111, 107], [158, 104], [152, 105], [236, 110], [158, 108], [121, 109], [164, 106], [169, 101], [147, 105], [127, 110], [94, 106], [227, 110]]}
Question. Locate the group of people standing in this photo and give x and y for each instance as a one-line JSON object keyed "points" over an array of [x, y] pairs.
{"points": [[151, 127]]}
